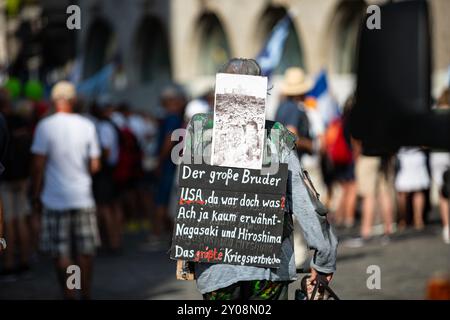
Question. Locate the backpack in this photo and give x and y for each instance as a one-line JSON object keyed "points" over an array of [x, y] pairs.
{"points": [[303, 126], [337, 147], [129, 163], [304, 131]]}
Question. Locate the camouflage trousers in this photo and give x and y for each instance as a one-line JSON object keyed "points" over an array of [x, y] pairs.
{"points": [[251, 290]]}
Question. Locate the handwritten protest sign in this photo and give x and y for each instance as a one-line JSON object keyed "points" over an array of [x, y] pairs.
{"points": [[230, 215]]}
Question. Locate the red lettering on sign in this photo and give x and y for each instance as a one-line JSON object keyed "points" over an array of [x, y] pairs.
{"points": [[208, 255], [200, 202], [283, 199]]}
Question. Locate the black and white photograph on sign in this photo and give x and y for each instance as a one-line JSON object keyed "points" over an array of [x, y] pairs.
{"points": [[239, 117]]}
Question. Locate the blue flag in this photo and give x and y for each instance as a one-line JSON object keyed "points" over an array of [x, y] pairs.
{"points": [[270, 55], [97, 84]]}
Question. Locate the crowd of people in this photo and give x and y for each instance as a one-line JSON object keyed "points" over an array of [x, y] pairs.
{"points": [[85, 172], [396, 187]]}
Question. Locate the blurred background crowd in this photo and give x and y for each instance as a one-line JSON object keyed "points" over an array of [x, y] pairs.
{"points": [[142, 69]]}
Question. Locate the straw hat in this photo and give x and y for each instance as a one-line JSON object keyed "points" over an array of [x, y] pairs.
{"points": [[295, 82]]}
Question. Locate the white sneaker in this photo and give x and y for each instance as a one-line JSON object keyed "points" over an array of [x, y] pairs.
{"points": [[354, 242], [446, 234]]}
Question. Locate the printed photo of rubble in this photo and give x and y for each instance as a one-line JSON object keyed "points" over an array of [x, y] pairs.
{"points": [[239, 117]]}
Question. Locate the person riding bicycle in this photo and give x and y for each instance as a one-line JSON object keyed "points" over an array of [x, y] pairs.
{"points": [[231, 282]]}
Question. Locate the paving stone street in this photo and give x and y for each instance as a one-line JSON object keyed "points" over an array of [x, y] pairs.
{"points": [[406, 264]]}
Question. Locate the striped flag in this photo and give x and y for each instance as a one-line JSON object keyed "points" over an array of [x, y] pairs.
{"points": [[321, 97]]}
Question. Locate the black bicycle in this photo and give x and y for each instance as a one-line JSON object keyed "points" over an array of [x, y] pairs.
{"points": [[320, 290]]}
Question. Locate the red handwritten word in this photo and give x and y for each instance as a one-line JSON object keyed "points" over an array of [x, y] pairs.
{"points": [[201, 202], [209, 255], [283, 199]]}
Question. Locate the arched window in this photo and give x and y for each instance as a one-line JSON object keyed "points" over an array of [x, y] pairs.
{"points": [[152, 51], [101, 45], [214, 50], [292, 52], [345, 27]]}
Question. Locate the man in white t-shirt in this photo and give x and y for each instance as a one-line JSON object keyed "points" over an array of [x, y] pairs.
{"points": [[66, 153]]}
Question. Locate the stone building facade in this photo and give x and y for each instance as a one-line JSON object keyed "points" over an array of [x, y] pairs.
{"points": [[187, 40]]}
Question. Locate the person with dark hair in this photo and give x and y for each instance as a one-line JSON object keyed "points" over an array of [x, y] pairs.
{"points": [[4, 137], [128, 170], [14, 190], [251, 140], [231, 282], [339, 154], [173, 99], [104, 187], [241, 66]]}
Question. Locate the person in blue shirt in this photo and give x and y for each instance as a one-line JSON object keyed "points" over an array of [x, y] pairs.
{"points": [[173, 99], [291, 112]]}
